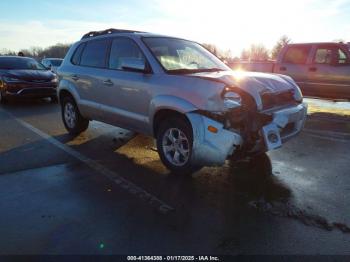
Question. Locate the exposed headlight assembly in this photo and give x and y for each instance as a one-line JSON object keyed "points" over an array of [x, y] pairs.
{"points": [[231, 98], [298, 96]]}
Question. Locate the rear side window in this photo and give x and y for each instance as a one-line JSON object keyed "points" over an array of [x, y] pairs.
{"points": [[124, 49], [77, 54], [330, 55], [297, 54], [95, 53]]}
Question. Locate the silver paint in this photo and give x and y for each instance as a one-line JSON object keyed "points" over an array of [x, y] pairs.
{"points": [[131, 100]]}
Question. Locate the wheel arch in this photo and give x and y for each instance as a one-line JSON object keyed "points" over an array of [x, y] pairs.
{"points": [[163, 107], [67, 88], [163, 114]]}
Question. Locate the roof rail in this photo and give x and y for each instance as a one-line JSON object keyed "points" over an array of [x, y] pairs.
{"points": [[108, 31]]}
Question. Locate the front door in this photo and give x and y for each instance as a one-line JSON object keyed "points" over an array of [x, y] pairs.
{"points": [[295, 64], [126, 94]]}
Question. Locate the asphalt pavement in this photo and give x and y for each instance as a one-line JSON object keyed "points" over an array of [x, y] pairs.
{"points": [[106, 192]]}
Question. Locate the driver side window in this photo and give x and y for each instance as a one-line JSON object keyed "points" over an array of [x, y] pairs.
{"points": [[323, 56], [124, 50]]}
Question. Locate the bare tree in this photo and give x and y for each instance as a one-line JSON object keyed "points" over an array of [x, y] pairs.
{"points": [[256, 52], [55, 51], [282, 42], [6, 52], [212, 48], [245, 55]]}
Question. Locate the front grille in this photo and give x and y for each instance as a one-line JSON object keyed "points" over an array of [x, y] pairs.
{"points": [[271, 100], [38, 81], [38, 91]]}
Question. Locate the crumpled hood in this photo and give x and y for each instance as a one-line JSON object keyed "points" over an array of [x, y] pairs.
{"points": [[31, 75], [253, 83]]}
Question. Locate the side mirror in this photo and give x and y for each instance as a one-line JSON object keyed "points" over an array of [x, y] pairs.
{"points": [[134, 65]]}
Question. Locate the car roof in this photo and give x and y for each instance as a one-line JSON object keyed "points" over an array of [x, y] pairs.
{"points": [[17, 57], [318, 43], [119, 32]]}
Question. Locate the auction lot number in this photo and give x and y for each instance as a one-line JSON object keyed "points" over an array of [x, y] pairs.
{"points": [[172, 258]]}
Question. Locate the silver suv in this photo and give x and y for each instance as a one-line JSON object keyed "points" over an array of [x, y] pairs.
{"points": [[199, 110]]}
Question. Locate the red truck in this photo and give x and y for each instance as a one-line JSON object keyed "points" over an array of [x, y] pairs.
{"points": [[320, 69]]}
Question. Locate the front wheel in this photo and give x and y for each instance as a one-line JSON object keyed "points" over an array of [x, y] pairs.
{"points": [[74, 122], [53, 99], [174, 144]]}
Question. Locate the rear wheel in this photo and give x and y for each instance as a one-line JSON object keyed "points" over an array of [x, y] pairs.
{"points": [[74, 122], [174, 144]]}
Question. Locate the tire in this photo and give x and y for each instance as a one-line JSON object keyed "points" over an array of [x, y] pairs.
{"points": [[73, 121], [54, 99], [174, 144], [3, 99]]}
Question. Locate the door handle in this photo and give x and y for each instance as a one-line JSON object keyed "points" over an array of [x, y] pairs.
{"points": [[108, 82], [283, 68], [313, 69], [75, 77]]}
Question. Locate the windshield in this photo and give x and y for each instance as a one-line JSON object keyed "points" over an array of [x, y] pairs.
{"points": [[56, 62], [20, 63], [182, 56]]}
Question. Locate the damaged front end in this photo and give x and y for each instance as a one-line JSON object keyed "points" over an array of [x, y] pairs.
{"points": [[242, 130]]}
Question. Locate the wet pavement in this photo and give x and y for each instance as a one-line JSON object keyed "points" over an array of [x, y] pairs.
{"points": [[106, 192]]}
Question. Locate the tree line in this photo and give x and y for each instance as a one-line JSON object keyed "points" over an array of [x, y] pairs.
{"points": [[256, 52], [55, 51]]}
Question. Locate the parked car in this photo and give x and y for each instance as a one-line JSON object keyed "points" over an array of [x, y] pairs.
{"points": [[25, 77], [200, 111], [52, 63], [320, 69]]}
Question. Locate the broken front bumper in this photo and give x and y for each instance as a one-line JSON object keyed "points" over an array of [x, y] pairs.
{"points": [[286, 124], [213, 148]]}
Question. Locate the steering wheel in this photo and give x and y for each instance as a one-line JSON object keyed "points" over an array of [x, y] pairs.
{"points": [[194, 63]]}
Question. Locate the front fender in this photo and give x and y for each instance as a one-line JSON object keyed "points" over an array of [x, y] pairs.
{"points": [[170, 103]]}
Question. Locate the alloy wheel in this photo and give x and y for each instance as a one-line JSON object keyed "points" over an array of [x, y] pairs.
{"points": [[176, 147], [70, 115]]}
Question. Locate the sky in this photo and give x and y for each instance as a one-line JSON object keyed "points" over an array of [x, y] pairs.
{"points": [[229, 24]]}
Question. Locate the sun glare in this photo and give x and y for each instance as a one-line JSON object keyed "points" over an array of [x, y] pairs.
{"points": [[238, 73]]}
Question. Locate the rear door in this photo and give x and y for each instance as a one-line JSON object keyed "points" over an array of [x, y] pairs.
{"points": [[295, 63], [329, 75], [90, 75]]}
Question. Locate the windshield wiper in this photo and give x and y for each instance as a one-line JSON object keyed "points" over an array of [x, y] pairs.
{"points": [[214, 69], [192, 71]]}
